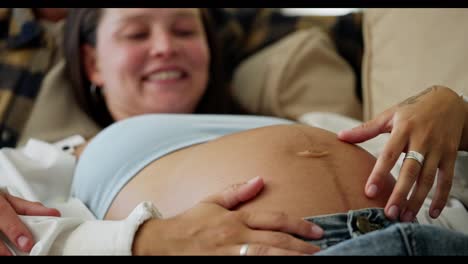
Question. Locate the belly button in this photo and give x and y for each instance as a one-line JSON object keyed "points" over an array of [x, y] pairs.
{"points": [[312, 153]]}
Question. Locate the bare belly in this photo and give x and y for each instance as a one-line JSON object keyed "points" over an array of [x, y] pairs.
{"points": [[307, 171]]}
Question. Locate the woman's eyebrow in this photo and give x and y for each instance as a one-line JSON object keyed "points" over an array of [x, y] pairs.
{"points": [[177, 15], [132, 18], [186, 14]]}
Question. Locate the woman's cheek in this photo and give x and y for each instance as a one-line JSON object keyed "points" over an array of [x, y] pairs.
{"points": [[199, 53]]}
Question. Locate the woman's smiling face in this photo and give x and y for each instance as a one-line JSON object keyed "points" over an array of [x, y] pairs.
{"points": [[149, 60]]}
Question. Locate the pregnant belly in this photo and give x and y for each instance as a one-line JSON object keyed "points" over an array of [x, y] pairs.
{"points": [[307, 172]]}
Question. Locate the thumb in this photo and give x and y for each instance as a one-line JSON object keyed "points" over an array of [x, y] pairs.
{"points": [[237, 193], [368, 130]]}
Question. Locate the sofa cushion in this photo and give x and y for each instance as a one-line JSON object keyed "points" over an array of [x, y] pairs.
{"points": [[301, 73], [56, 114], [409, 50]]}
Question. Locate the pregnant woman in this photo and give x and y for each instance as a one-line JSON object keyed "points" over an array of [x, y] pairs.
{"points": [[176, 160]]}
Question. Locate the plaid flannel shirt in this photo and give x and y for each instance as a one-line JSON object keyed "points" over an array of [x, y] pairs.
{"points": [[28, 49]]}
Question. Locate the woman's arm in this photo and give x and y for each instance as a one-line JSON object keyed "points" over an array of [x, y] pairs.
{"points": [[432, 123], [207, 229], [83, 236]]}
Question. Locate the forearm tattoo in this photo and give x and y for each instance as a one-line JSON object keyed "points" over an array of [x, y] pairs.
{"points": [[414, 99]]}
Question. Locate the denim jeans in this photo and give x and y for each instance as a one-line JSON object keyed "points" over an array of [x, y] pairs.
{"points": [[369, 232]]}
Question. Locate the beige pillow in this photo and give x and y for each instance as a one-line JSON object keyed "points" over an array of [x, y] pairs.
{"points": [[56, 114], [408, 50], [299, 74]]}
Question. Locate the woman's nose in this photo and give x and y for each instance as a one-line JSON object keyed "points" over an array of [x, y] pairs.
{"points": [[163, 45]]}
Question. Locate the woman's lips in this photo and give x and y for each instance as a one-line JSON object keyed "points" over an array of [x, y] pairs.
{"points": [[166, 77]]}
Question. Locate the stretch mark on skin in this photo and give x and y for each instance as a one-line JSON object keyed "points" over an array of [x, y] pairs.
{"points": [[312, 153], [330, 164]]}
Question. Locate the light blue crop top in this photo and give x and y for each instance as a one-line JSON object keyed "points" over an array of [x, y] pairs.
{"points": [[121, 150]]}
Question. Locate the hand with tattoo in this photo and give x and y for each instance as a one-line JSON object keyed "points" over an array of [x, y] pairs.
{"points": [[431, 123]]}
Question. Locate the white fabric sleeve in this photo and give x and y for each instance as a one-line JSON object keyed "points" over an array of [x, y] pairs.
{"points": [[75, 236]]}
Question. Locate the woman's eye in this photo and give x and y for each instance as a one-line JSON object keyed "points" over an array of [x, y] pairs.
{"points": [[136, 35], [184, 32]]}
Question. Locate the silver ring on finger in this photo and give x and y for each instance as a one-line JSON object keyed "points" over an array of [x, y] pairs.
{"points": [[416, 156], [243, 250]]}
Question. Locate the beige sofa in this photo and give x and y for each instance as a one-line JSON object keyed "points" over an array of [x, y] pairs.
{"points": [[408, 50]]}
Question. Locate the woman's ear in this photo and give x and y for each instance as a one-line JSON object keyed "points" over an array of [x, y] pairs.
{"points": [[91, 65]]}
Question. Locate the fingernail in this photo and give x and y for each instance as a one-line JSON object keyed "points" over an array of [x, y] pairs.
{"points": [[435, 213], [372, 190], [316, 230], [253, 180], [22, 242], [408, 216], [393, 212]]}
